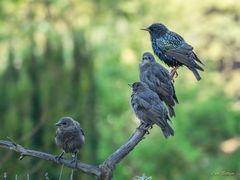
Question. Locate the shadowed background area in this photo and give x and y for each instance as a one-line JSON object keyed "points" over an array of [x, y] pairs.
{"points": [[75, 58]]}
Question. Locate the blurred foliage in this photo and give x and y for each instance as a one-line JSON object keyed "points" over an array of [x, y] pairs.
{"points": [[75, 58]]}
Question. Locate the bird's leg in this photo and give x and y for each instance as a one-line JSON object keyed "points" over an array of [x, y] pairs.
{"points": [[59, 156], [149, 126], [173, 72], [145, 127], [74, 159], [176, 74], [140, 127]]}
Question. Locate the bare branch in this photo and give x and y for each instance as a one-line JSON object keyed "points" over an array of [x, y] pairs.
{"points": [[86, 168], [103, 171], [109, 164], [126, 148]]}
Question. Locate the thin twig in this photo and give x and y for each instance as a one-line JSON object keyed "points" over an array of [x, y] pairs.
{"points": [[71, 176], [60, 176]]}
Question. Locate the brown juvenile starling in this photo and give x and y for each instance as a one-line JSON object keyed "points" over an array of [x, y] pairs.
{"points": [[149, 108], [69, 137], [158, 80]]}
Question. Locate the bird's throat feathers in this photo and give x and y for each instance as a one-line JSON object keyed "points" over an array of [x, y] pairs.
{"points": [[65, 129], [157, 34], [144, 65]]}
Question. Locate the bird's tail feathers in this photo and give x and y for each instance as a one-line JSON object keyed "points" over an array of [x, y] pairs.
{"points": [[171, 111], [166, 128], [170, 101], [198, 67], [175, 96], [198, 60], [196, 74], [167, 131], [194, 62]]}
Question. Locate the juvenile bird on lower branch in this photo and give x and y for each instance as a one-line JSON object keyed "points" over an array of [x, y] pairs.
{"points": [[69, 137], [149, 108]]}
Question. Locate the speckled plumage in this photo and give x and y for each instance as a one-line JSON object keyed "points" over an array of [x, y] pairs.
{"points": [[158, 79], [172, 49], [149, 108]]}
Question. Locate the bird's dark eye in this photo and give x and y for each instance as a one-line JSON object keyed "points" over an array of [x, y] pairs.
{"points": [[145, 58], [64, 123], [135, 85]]}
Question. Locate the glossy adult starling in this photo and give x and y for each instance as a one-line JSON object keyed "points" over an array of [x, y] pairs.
{"points": [[158, 80], [172, 49], [69, 137], [149, 108]]}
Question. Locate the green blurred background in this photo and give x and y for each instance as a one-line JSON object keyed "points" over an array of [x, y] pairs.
{"points": [[75, 57]]}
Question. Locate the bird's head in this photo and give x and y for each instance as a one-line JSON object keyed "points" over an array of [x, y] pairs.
{"points": [[138, 86], [65, 123], [157, 29], [147, 59]]}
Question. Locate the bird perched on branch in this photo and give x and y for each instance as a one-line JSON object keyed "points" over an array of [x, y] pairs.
{"points": [[158, 79], [69, 137], [172, 49], [149, 108]]}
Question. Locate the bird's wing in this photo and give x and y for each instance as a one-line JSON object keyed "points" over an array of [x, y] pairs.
{"points": [[153, 108], [169, 41], [143, 104], [161, 80], [185, 57], [151, 102], [160, 72], [163, 70], [157, 111], [174, 47]]}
